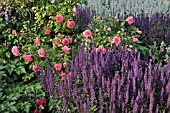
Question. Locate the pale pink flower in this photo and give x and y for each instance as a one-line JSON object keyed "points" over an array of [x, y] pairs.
{"points": [[75, 10], [97, 30], [70, 24], [130, 20], [64, 64], [109, 29], [58, 66], [135, 40], [41, 52], [59, 34], [75, 40], [36, 68], [47, 31], [15, 51], [109, 39], [116, 40], [37, 41], [139, 32], [66, 49], [28, 58], [87, 33], [65, 41], [59, 18]]}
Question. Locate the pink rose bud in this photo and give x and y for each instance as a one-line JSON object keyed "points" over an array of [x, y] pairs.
{"points": [[75, 10], [41, 52], [37, 41], [65, 41], [70, 24], [28, 58], [87, 33], [59, 18], [15, 51], [98, 17], [36, 68], [130, 20], [109, 39], [22, 34], [59, 34], [14, 32], [47, 31], [102, 49], [139, 32], [64, 64], [109, 29], [75, 40], [66, 49], [97, 30], [58, 66], [116, 40], [135, 40]]}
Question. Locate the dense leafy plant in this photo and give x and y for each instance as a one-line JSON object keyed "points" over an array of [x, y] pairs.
{"points": [[115, 81]]}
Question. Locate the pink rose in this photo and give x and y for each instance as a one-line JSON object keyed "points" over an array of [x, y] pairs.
{"points": [[130, 20], [37, 41], [109, 39], [70, 24], [47, 31], [14, 32], [116, 40], [66, 49], [75, 10], [58, 66], [59, 18], [75, 40], [59, 34], [41, 52], [15, 51], [28, 58], [36, 68], [135, 40], [87, 33], [65, 41]]}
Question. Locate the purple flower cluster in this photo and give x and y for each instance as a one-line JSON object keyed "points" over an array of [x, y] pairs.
{"points": [[115, 82], [155, 27]]}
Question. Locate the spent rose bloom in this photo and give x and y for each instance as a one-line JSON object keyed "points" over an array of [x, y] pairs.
{"points": [[70, 24], [37, 41], [135, 40], [66, 49], [15, 51], [37, 110], [41, 102], [59, 18], [14, 32], [130, 20], [116, 40], [75, 10], [28, 58], [25, 79], [36, 68], [41, 52], [47, 31], [58, 66], [87, 33], [65, 41]]}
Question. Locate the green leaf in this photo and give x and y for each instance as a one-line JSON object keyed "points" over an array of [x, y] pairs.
{"points": [[13, 108]]}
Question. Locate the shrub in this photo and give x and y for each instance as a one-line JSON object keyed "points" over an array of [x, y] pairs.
{"points": [[115, 81]]}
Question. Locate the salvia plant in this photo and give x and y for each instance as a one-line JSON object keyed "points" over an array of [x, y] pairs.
{"points": [[154, 28], [117, 81]]}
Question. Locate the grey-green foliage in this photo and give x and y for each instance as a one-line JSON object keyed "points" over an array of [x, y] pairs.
{"points": [[135, 7]]}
